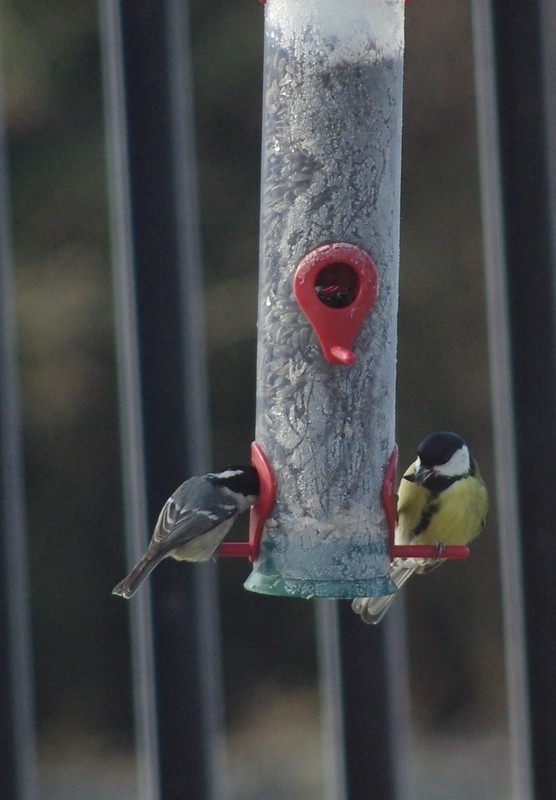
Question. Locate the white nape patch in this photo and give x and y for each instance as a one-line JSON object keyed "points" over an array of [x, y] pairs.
{"points": [[458, 464], [228, 473]]}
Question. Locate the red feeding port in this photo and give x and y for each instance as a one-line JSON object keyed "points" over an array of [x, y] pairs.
{"points": [[259, 512], [336, 285]]}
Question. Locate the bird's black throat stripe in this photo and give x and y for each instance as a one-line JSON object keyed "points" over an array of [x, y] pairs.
{"points": [[439, 483], [428, 513]]}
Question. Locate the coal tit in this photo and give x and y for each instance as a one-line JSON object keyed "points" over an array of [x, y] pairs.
{"points": [[195, 520]]}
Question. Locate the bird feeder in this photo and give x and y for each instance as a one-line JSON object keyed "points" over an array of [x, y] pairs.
{"points": [[324, 524], [328, 289]]}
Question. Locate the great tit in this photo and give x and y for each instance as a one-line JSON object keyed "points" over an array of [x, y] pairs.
{"points": [[195, 520], [442, 500]]}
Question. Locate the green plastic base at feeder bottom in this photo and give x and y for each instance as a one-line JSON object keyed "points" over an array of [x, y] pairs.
{"points": [[301, 587]]}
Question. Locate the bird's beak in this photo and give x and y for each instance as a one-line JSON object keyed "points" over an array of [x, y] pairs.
{"points": [[420, 476]]}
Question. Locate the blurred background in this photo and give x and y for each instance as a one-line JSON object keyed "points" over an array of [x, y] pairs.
{"points": [[73, 472]]}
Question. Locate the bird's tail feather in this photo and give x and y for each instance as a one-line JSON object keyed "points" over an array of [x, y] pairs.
{"points": [[372, 609], [136, 576]]}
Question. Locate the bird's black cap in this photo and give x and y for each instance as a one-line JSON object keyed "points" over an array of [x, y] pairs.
{"points": [[438, 448], [239, 478]]}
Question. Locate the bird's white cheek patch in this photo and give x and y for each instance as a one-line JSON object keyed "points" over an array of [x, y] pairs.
{"points": [[457, 465]]}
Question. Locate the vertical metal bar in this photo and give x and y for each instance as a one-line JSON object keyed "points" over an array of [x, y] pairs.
{"points": [[502, 401], [375, 747], [18, 752], [131, 425], [330, 682], [164, 227], [548, 37], [398, 697], [195, 388], [365, 699], [526, 199], [180, 86]]}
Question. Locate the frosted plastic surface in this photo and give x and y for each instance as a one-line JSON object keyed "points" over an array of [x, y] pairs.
{"points": [[330, 172], [360, 27]]}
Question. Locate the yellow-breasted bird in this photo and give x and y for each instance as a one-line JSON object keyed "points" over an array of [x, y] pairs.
{"points": [[442, 500]]}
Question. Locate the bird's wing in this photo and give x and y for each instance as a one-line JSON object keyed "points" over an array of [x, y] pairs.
{"points": [[372, 609], [177, 525]]}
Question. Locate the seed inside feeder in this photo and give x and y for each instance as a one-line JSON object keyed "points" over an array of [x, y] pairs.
{"points": [[337, 285]]}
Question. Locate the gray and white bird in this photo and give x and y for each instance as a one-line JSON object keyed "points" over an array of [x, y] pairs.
{"points": [[442, 500], [195, 520]]}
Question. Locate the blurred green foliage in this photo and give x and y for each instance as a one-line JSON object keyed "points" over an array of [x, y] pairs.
{"points": [[61, 244]]}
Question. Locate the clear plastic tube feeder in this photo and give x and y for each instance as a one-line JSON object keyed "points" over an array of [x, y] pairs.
{"points": [[328, 293]]}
